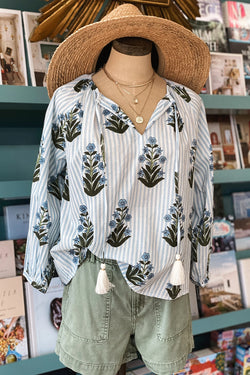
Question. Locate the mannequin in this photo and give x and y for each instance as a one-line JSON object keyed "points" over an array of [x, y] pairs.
{"points": [[129, 63]]}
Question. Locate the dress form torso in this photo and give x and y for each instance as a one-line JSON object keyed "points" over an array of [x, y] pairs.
{"points": [[130, 64]]}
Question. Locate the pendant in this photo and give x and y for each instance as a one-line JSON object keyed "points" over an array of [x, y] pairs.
{"points": [[139, 119], [136, 101]]}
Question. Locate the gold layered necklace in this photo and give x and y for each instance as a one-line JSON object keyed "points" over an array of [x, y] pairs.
{"points": [[122, 88]]}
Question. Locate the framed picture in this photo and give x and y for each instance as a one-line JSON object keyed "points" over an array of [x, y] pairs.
{"points": [[226, 76], [12, 56], [39, 53]]}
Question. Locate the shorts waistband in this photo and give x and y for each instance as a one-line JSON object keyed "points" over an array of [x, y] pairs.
{"points": [[93, 258]]}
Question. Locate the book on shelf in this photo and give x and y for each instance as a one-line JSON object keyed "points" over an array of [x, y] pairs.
{"points": [[242, 233], [213, 33], [39, 53], [222, 292], [242, 124], [226, 75], [237, 34], [12, 55], [244, 273], [236, 14], [43, 316], [223, 140], [244, 49], [210, 10], [16, 221], [223, 235], [7, 259], [241, 203], [13, 333], [19, 247]]}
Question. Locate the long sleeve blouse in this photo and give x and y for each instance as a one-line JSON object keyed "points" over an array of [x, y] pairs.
{"points": [[101, 186]]}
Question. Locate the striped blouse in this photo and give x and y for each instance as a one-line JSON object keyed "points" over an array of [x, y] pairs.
{"points": [[100, 186]]}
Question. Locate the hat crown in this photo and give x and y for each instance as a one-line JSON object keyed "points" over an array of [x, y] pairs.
{"points": [[124, 10]]}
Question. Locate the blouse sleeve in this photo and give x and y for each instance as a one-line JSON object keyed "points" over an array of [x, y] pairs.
{"points": [[45, 202], [200, 230]]}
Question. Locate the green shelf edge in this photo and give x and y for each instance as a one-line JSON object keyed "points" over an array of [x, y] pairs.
{"points": [[232, 176], [212, 323], [23, 97], [15, 189]]}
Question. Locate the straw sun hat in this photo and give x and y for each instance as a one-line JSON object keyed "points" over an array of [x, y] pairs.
{"points": [[183, 57]]}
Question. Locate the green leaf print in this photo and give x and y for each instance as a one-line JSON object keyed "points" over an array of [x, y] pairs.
{"points": [[58, 134], [175, 215], [182, 92], [40, 160], [74, 126], [141, 272], [171, 117], [66, 189], [53, 187], [151, 172], [192, 162], [120, 231], [43, 224], [83, 84], [85, 235], [173, 290], [118, 122], [200, 234]]}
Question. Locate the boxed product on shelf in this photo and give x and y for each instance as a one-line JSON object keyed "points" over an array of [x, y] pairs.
{"points": [[242, 124], [224, 142], [13, 333], [244, 274], [242, 360], [39, 53], [12, 55], [237, 34], [223, 235], [236, 14], [241, 203], [226, 76], [7, 259], [16, 220], [20, 246], [204, 361], [213, 33], [242, 233], [210, 10], [222, 292], [43, 316]]}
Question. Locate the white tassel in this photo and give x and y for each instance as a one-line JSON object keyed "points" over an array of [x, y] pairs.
{"points": [[103, 285], [177, 276]]}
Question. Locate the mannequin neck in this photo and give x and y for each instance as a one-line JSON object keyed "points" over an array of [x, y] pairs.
{"points": [[129, 69]]}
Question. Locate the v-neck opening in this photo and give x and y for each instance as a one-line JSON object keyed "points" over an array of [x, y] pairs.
{"points": [[107, 103]]}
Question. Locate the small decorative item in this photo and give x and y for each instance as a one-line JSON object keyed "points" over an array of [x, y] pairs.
{"points": [[60, 17], [12, 57]]}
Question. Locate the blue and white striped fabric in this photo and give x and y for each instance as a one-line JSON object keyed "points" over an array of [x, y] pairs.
{"points": [[101, 186]]}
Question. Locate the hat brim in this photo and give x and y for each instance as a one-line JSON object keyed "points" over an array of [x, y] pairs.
{"points": [[183, 57]]}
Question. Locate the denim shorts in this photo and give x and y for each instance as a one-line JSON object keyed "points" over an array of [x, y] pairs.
{"points": [[98, 333]]}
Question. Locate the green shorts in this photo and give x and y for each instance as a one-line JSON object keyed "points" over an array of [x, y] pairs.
{"points": [[100, 332]]}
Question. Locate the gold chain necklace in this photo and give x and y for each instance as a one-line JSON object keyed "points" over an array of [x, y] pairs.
{"points": [[139, 118]]}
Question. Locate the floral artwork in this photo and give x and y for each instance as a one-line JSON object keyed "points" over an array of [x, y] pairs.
{"points": [[170, 233], [151, 172], [116, 122], [120, 231], [84, 237], [93, 171], [43, 224], [141, 272]]}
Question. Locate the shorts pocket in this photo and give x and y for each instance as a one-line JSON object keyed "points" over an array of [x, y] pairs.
{"points": [[172, 317], [87, 314]]}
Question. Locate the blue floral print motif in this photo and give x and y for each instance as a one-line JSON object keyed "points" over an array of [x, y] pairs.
{"points": [[172, 111], [141, 272], [175, 215], [83, 84], [93, 168], [151, 172], [68, 126], [118, 122], [192, 161], [173, 290], [200, 234], [120, 231], [84, 237], [40, 160], [43, 224]]}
